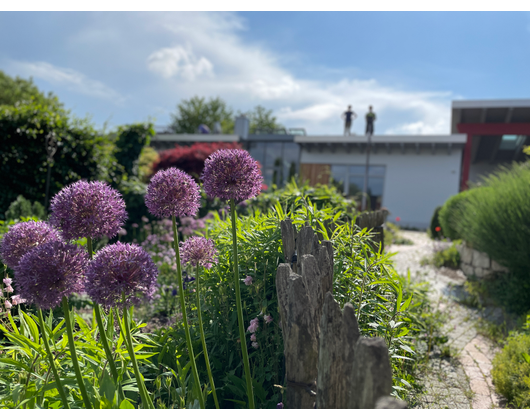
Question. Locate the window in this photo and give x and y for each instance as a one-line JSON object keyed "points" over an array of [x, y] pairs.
{"points": [[511, 142], [279, 160], [350, 179]]}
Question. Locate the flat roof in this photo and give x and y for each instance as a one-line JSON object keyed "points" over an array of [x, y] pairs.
{"points": [[196, 137], [447, 138], [491, 103]]}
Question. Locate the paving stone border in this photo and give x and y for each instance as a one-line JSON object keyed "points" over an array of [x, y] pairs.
{"points": [[463, 381]]}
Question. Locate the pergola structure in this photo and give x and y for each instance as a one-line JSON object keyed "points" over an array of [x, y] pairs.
{"points": [[497, 131]]}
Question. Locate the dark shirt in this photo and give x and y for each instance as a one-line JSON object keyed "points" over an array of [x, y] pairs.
{"points": [[348, 115], [370, 117]]}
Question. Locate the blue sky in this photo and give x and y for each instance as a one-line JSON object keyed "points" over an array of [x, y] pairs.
{"points": [[126, 67]]}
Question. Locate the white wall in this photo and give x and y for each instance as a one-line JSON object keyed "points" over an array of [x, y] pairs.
{"points": [[415, 184]]}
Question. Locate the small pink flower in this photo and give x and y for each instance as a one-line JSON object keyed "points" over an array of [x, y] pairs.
{"points": [[9, 289], [398, 219], [254, 324], [17, 300], [248, 281], [268, 319], [255, 344], [8, 281], [253, 337], [8, 304]]}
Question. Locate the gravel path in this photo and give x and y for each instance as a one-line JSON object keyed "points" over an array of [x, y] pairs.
{"points": [[462, 380]]}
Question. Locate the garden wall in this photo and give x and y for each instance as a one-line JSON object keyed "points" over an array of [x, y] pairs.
{"points": [[478, 264]]}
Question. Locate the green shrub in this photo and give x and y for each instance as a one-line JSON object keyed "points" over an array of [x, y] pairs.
{"points": [[496, 218], [511, 370], [23, 208], [24, 133], [435, 230], [451, 214], [449, 257]]}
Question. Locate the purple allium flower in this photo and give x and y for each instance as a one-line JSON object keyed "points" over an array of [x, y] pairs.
{"points": [[253, 337], [49, 272], [198, 250], [88, 210], [231, 174], [248, 281], [255, 344], [172, 192], [268, 319], [21, 238], [279, 405], [121, 268]]}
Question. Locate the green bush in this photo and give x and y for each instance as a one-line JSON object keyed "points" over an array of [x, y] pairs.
{"points": [[450, 214], [449, 257], [25, 131], [23, 208], [496, 218], [435, 230], [511, 370]]}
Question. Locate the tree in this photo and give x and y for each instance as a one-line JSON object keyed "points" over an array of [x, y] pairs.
{"points": [[196, 111], [16, 91], [262, 120]]}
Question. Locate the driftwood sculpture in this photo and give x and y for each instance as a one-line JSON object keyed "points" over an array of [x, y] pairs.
{"points": [[328, 364]]}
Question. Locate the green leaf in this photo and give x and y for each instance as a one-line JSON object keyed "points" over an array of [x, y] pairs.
{"points": [[126, 405]]}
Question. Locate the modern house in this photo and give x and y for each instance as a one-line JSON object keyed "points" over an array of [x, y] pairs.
{"points": [[410, 175]]}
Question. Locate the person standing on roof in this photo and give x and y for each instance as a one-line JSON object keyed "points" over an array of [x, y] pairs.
{"points": [[370, 118], [348, 117]]}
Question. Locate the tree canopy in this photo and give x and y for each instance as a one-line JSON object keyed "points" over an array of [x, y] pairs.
{"points": [[17, 91], [196, 111]]}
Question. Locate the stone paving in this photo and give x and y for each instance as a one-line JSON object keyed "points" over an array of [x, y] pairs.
{"points": [[462, 380]]}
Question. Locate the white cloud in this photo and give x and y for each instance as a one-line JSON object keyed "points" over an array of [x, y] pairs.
{"points": [[163, 58], [178, 61], [70, 78]]}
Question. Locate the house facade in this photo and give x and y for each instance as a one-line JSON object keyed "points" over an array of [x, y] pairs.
{"points": [[410, 175]]}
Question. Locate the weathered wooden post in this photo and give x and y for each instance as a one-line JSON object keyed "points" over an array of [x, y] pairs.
{"points": [[327, 362], [374, 220]]}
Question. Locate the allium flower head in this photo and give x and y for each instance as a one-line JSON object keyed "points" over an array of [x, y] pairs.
{"points": [[21, 238], [49, 272], [198, 250], [172, 192], [88, 210], [231, 174], [121, 269]]}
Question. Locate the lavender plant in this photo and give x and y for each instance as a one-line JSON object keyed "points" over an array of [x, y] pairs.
{"points": [[234, 176], [173, 193]]}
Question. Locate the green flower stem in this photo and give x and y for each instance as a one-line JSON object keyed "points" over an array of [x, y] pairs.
{"points": [[184, 316], [103, 335], [146, 400], [73, 354], [242, 338], [207, 359], [52, 362]]}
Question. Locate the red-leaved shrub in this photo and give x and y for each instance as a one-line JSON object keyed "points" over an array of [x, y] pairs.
{"points": [[190, 159]]}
